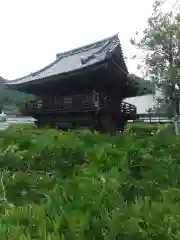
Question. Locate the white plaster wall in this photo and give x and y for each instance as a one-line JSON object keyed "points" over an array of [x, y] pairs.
{"points": [[143, 103]]}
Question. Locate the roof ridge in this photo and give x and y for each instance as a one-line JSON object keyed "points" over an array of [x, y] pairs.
{"points": [[100, 51], [104, 42], [86, 47], [78, 50]]}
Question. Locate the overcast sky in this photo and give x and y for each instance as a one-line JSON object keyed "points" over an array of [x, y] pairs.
{"points": [[33, 31]]}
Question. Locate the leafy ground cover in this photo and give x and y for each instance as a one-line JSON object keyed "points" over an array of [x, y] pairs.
{"points": [[79, 185]]}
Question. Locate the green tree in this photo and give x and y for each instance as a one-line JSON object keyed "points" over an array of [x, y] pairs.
{"points": [[12, 101], [161, 41]]}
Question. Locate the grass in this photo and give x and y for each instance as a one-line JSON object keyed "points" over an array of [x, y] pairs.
{"points": [[79, 185]]}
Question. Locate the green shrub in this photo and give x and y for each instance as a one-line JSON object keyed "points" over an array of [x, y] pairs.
{"points": [[144, 129], [79, 185]]}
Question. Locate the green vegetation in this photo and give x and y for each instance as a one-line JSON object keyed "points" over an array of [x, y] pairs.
{"points": [[12, 102], [79, 185], [160, 41]]}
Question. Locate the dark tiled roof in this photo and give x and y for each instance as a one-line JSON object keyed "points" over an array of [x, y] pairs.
{"points": [[73, 60]]}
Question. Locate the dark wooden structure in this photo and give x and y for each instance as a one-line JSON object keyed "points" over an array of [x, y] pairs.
{"points": [[84, 87]]}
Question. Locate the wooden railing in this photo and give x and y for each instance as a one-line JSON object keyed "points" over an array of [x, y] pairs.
{"points": [[128, 108], [79, 103]]}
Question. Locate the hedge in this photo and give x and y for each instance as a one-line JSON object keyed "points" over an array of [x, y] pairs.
{"points": [[79, 185]]}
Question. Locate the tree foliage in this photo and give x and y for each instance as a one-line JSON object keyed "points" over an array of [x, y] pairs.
{"points": [[161, 41], [12, 101]]}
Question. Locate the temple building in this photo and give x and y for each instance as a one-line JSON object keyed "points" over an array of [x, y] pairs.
{"points": [[83, 87]]}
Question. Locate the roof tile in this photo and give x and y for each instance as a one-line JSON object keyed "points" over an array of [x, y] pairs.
{"points": [[73, 60]]}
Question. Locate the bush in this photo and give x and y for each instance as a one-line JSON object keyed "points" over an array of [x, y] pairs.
{"points": [[79, 185], [144, 129]]}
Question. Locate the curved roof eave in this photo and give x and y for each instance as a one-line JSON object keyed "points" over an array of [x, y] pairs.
{"points": [[55, 77]]}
